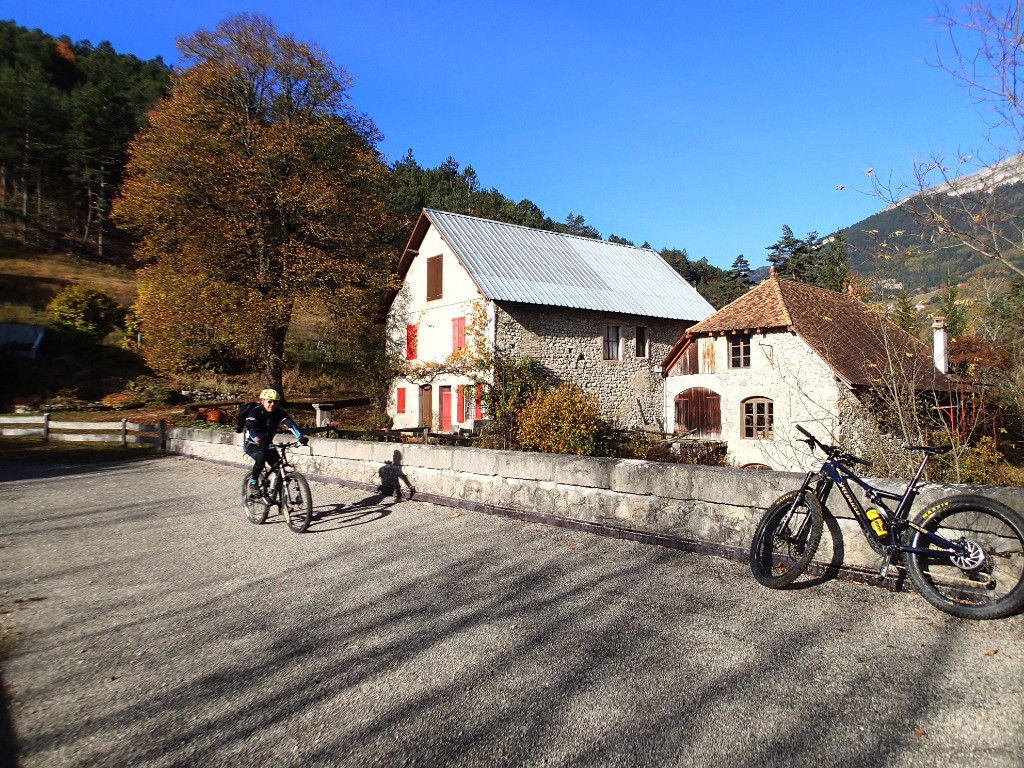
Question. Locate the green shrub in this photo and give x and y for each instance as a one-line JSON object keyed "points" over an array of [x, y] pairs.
{"points": [[85, 310], [516, 381], [560, 420]]}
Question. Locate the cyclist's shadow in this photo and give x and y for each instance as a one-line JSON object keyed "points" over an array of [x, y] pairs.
{"points": [[372, 508], [339, 516]]}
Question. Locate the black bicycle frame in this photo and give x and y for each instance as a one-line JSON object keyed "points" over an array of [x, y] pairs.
{"points": [[835, 473], [281, 468]]}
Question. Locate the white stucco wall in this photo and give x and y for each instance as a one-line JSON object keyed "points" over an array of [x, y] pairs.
{"points": [[784, 369], [459, 297]]}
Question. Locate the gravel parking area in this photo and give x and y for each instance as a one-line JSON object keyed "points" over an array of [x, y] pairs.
{"points": [[147, 623]]}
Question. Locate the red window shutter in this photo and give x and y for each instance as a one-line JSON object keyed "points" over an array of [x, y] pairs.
{"points": [[458, 333], [460, 405], [478, 406], [410, 342], [400, 394]]}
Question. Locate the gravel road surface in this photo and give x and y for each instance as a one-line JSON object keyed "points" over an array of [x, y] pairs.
{"points": [[147, 623]]}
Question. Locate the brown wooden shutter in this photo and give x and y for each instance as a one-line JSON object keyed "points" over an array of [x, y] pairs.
{"points": [[708, 356], [434, 277], [689, 361]]}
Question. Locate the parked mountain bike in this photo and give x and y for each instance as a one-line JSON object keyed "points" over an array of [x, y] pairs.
{"points": [[965, 554], [282, 486]]}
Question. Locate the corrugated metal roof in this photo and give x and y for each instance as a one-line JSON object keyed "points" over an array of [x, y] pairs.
{"points": [[533, 266]]}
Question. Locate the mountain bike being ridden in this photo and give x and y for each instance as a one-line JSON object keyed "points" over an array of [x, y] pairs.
{"points": [[262, 422], [964, 554], [280, 485]]}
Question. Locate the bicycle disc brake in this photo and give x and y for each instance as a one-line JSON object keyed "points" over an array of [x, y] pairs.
{"points": [[973, 561], [971, 557]]}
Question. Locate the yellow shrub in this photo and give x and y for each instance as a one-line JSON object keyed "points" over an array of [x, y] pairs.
{"points": [[560, 420], [121, 401]]}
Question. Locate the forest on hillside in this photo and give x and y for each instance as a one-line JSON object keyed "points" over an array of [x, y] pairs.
{"points": [[900, 246], [69, 110], [67, 113]]}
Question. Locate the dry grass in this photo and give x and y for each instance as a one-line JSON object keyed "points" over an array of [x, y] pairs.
{"points": [[29, 280]]}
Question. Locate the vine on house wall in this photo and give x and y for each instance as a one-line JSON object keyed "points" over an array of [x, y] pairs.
{"points": [[475, 361]]}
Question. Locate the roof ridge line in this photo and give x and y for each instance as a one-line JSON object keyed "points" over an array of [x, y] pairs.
{"points": [[428, 211]]}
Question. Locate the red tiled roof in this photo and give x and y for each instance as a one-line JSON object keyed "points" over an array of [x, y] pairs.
{"points": [[857, 342]]}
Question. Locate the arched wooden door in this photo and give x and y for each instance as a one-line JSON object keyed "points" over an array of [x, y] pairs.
{"points": [[699, 413]]}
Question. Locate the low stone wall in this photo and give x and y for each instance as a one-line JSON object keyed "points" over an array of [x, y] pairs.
{"points": [[712, 509]]}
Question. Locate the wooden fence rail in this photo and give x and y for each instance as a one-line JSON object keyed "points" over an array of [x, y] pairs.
{"points": [[122, 431]]}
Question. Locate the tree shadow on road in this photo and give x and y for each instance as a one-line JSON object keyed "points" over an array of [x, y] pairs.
{"points": [[474, 640]]}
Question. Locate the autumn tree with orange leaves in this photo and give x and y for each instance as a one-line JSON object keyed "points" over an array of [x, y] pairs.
{"points": [[254, 187]]}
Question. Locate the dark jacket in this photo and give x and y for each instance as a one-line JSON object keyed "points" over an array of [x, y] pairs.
{"points": [[264, 425]]}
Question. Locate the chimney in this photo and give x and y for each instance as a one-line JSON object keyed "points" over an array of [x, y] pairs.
{"points": [[939, 345]]}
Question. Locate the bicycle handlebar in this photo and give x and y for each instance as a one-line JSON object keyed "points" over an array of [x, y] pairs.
{"points": [[832, 450]]}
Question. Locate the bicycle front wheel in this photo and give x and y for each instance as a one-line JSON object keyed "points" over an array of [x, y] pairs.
{"points": [[984, 581], [298, 502], [255, 509], [784, 543]]}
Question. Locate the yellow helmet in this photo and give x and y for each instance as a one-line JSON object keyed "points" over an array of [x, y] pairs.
{"points": [[269, 394]]}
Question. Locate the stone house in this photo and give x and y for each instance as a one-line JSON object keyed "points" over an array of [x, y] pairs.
{"points": [[595, 314], [783, 354]]}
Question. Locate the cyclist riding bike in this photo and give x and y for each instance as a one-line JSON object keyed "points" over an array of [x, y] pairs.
{"points": [[261, 424]]}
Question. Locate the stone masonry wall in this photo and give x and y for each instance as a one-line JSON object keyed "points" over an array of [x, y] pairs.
{"points": [[569, 343], [713, 505]]}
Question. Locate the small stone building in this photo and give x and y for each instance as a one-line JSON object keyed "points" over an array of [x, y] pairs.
{"points": [[595, 314], [783, 354]]}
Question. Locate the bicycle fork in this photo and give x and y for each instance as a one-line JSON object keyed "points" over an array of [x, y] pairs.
{"points": [[284, 497], [820, 491]]}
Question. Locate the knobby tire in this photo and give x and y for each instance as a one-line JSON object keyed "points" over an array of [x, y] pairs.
{"points": [[991, 586], [779, 555], [255, 509], [296, 496]]}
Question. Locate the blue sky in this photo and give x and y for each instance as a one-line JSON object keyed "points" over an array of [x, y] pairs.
{"points": [[696, 125]]}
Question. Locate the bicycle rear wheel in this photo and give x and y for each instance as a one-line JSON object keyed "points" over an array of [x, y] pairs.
{"points": [[784, 544], [295, 496], [987, 582], [255, 509]]}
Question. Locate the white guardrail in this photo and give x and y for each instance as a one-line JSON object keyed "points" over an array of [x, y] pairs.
{"points": [[122, 431]]}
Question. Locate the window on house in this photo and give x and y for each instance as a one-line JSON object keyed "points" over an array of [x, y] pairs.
{"points": [[400, 400], [739, 351], [758, 419], [434, 277], [699, 413], [410, 341], [611, 342], [458, 333], [642, 343]]}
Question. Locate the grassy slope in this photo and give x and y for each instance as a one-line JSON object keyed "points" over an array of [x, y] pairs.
{"points": [[30, 278]]}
